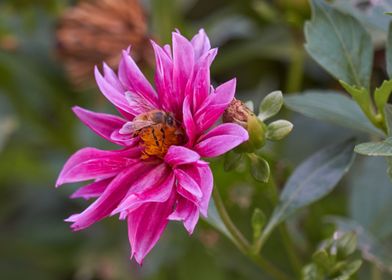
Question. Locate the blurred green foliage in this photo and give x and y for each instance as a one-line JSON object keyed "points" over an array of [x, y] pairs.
{"points": [[261, 43]]}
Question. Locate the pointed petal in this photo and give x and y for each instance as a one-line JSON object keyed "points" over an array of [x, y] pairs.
{"points": [[201, 43], [187, 186], [215, 104], [163, 76], [102, 124], [138, 103], [92, 190], [109, 199], [178, 155], [183, 61], [201, 84], [158, 191], [112, 78], [146, 225], [91, 163], [110, 91], [187, 212], [221, 139], [188, 122], [134, 80]]}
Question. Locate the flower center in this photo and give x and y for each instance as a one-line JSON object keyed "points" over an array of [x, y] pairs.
{"points": [[159, 132]]}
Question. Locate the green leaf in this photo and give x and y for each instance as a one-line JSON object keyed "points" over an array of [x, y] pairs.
{"points": [[360, 94], [332, 107], [270, 105], [388, 51], [388, 118], [259, 168], [347, 244], [381, 96], [349, 269], [278, 130], [373, 250], [312, 180], [340, 44], [383, 148]]}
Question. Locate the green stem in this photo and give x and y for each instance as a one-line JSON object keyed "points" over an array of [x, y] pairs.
{"points": [[242, 243], [295, 261], [295, 71], [376, 273]]}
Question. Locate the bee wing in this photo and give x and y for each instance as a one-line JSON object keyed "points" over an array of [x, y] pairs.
{"points": [[138, 103], [131, 127]]}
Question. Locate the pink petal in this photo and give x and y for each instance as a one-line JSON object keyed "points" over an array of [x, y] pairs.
{"points": [[202, 175], [92, 190], [187, 186], [183, 61], [138, 103], [221, 139], [178, 155], [187, 212], [158, 191], [91, 163], [112, 78], [188, 122], [134, 80], [201, 84], [102, 124], [201, 43], [214, 105], [109, 199], [110, 91], [146, 225], [163, 77]]}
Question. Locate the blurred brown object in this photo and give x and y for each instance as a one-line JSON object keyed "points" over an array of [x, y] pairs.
{"points": [[9, 43], [97, 30]]}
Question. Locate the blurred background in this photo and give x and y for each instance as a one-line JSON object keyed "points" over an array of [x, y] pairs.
{"points": [[48, 49]]}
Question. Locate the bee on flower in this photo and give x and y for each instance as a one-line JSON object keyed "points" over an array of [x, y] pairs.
{"points": [[164, 131]]}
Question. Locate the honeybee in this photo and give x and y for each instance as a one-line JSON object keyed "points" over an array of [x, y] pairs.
{"points": [[157, 130]]}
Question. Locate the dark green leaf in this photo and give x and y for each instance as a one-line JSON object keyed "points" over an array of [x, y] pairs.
{"points": [[383, 148], [232, 160], [313, 179], [340, 44], [332, 107]]}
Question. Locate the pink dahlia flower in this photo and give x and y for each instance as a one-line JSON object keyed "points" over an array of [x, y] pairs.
{"points": [[158, 175]]}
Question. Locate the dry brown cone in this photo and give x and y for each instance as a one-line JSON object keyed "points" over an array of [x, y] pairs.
{"points": [[97, 30]]}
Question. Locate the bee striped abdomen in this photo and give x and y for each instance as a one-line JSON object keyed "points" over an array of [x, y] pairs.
{"points": [[157, 138]]}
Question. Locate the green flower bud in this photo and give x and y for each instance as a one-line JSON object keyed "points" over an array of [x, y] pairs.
{"points": [[258, 221], [278, 130], [270, 105]]}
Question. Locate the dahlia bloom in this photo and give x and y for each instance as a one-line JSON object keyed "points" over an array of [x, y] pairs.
{"points": [[158, 175]]}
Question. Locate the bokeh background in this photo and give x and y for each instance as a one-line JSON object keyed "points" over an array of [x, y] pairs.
{"points": [[47, 54]]}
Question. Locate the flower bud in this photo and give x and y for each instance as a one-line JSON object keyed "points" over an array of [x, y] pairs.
{"points": [[278, 130], [239, 113]]}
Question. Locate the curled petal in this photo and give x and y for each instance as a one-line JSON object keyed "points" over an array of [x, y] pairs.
{"points": [[179, 155], [187, 212], [215, 104], [221, 139], [158, 191], [145, 226], [102, 124], [109, 199], [189, 124], [187, 186], [91, 163], [92, 190], [134, 80], [116, 97]]}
